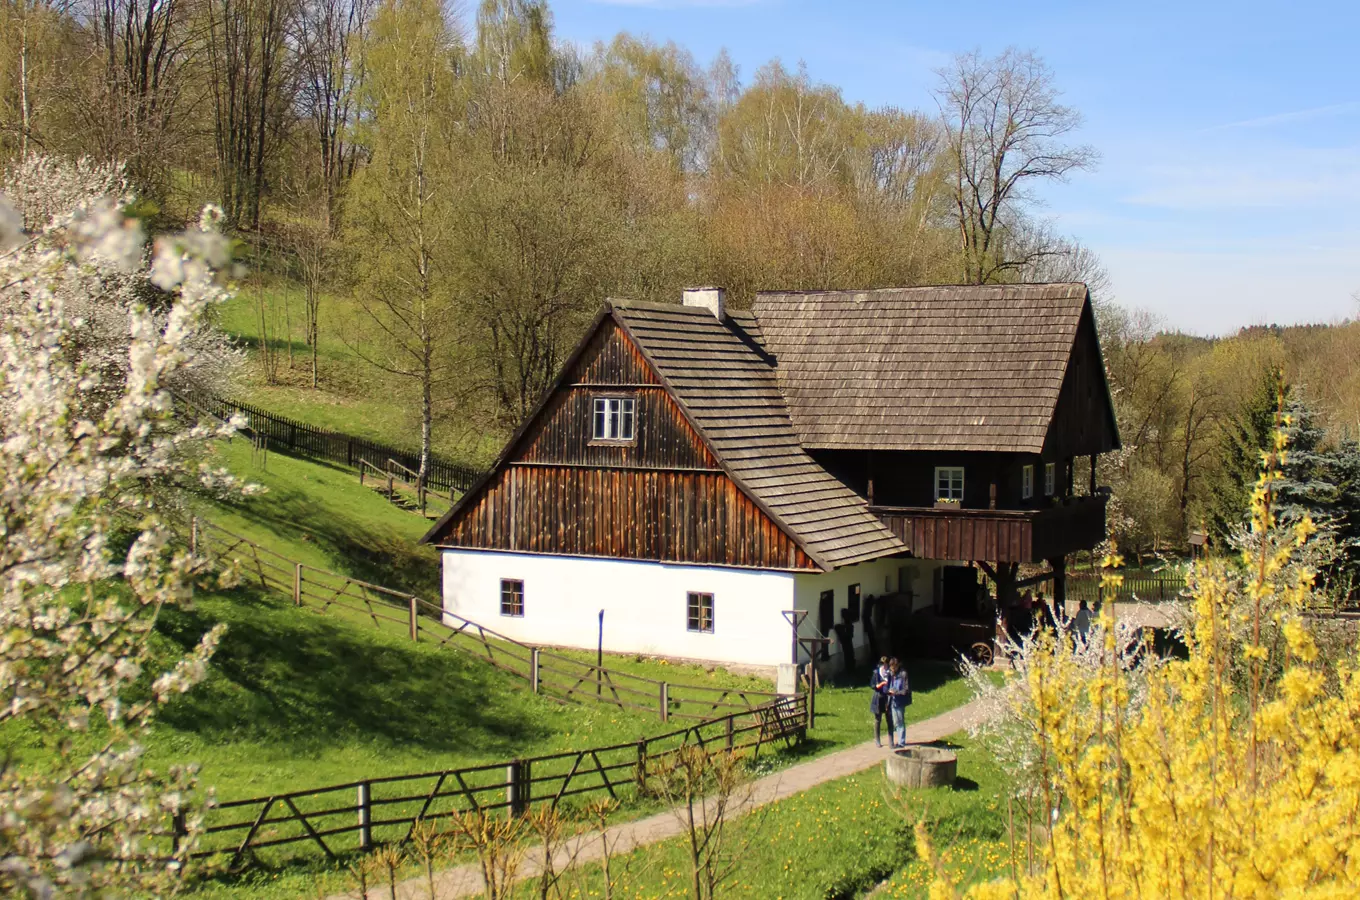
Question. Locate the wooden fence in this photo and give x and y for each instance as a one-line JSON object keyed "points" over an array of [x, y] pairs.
{"points": [[361, 814], [1155, 588], [548, 672], [286, 435]]}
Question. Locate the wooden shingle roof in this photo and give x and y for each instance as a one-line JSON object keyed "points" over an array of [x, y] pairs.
{"points": [[927, 368], [720, 375]]}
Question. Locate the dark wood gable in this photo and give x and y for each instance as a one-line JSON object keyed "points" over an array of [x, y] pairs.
{"points": [[1083, 417], [664, 497], [611, 366]]}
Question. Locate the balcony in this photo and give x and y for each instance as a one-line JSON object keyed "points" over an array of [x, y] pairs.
{"points": [[999, 535]]}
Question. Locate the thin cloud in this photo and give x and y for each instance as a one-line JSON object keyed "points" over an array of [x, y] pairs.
{"points": [[1298, 115]]}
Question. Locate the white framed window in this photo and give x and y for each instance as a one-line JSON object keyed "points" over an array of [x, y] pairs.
{"points": [[614, 418], [699, 612], [512, 597], [1050, 479], [949, 483], [1026, 482]]}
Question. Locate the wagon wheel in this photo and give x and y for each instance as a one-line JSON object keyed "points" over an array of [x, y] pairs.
{"points": [[981, 652]]}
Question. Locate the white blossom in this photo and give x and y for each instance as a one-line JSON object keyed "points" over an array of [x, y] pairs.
{"points": [[89, 442]]}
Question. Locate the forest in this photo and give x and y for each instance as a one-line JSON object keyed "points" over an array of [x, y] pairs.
{"points": [[429, 204]]}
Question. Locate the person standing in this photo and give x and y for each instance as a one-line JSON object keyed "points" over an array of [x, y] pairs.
{"points": [[878, 704], [1081, 622], [899, 698]]}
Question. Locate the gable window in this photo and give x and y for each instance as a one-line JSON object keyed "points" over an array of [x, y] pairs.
{"points": [[614, 418], [1050, 478], [512, 597], [1026, 482], [699, 616], [949, 483]]}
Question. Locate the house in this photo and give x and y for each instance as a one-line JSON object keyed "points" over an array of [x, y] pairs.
{"points": [[698, 474]]}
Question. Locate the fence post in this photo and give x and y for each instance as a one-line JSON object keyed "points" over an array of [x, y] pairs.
{"points": [[729, 733], [665, 698], [365, 815], [415, 626], [516, 793], [640, 776], [349, 452], [533, 670], [297, 584], [179, 831]]}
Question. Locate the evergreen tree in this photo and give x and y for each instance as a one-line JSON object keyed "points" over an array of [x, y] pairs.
{"points": [[1307, 487], [1246, 435]]}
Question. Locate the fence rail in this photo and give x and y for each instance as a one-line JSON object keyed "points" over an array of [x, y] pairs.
{"points": [[286, 435], [358, 815], [548, 672], [1157, 588]]}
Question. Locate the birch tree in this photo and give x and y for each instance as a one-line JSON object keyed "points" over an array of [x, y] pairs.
{"points": [[402, 234]]}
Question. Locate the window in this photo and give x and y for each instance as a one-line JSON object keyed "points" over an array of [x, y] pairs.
{"points": [[700, 612], [512, 597], [949, 484], [1050, 478], [852, 605], [614, 417], [1027, 482]]}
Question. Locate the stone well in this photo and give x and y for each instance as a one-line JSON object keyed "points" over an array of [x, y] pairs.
{"points": [[919, 767]]}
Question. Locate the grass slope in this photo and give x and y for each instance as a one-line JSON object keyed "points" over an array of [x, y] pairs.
{"points": [[354, 396]]}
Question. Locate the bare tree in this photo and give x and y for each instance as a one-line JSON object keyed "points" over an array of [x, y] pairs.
{"points": [[1004, 131], [143, 48], [245, 43], [327, 36], [706, 791]]}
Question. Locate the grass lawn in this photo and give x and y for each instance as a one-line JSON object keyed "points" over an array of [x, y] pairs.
{"points": [[839, 840]]}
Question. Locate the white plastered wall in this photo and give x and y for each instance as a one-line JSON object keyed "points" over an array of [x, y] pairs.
{"points": [[644, 604]]}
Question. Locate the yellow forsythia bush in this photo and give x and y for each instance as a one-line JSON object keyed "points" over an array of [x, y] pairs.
{"points": [[1237, 774]]}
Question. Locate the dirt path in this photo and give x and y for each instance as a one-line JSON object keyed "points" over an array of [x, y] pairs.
{"points": [[466, 881]]}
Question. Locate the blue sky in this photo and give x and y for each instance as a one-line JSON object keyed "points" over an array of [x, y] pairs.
{"points": [[1229, 184]]}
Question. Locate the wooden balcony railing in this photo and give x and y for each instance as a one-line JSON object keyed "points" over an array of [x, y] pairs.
{"points": [[999, 535]]}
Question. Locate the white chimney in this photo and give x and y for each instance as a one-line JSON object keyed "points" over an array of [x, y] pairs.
{"points": [[713, 299]]}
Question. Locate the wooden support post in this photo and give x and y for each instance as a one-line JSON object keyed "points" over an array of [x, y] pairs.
{"points": [[664, 693], [1059, 566], [415, 620], [729, 734], [1093, 473], [812, 693], [516, 788], [179, 831], [297, 584], [365, 815], [640, 776], [533, 670]]}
